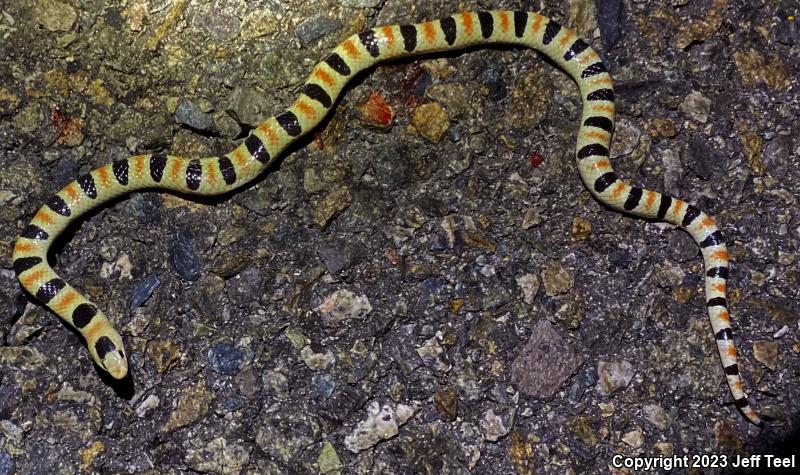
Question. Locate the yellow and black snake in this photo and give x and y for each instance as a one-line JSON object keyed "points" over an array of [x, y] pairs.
{"points": [[215, 175]]}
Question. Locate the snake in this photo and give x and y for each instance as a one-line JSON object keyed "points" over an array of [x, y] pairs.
{"points": [[318, 95]]}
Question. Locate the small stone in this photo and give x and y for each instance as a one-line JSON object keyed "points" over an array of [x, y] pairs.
{"points": [[657, 416], [699, 29], [332, 204], [662, 127], [312, 182], [493, 426], [766, 353], [226, 358], [613, 376], [382, 423], [164, 354], [431, 353], [218, 456], [9, 102], [727, 436], [188, 114], [316, 27], [259, 22], [531, 219], [247, 106], [634, 438], [696, 106], [276, 384], [342, 305], [667, 449], [6, 463], [609, 19], [337, 255], [11, 431], [581, 229], [446, 401], [755, 68], [144, 290], [529, 285], [626, 138], [375, 112], [753, 145], [151, 402], [54, 15], [21, 357], [182, 256], [88, 454], [328, 461], [571, 311], [581, 426], [556, 279], [192, 405], [431, 121], [317, 361], [545, 363]]}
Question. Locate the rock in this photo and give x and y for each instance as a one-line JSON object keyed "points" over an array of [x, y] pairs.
{"points": [[581, 229], [493, 426], [634, 438], [556, 279], [446, 401], [382, 423], [284, 435], [766, 353], [337, 255], [225, 358], [54, 15], [316, 27], [613, 376], [430, 121], [259, 22], [6, 463], [182, 256], [88, 454], [696, 106], [191, 406], [529, 285], [190, 115], [727, 436], [164, 354], [432, 353], [218, 456], [332, 204], [24, 358], [151, 402], [545, 363], [609, 19], [375, 112], [328, 461], [144, 290], [248, 106], [657, 416], [317, 361], [755, 68], [342, 305]]}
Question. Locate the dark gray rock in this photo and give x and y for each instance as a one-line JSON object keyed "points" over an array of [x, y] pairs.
{"points": [[545, 363], [225, 358], [144, 290], [188, 114], [609, 19], [182, 256]]}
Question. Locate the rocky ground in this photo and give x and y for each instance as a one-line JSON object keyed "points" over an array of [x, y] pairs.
{"points": [[423, 286]]}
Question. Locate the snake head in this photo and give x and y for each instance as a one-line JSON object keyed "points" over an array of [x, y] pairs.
{"points": [[109, 353]]}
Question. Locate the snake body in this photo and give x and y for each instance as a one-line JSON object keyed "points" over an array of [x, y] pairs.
{"points": [[216, 175]]}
